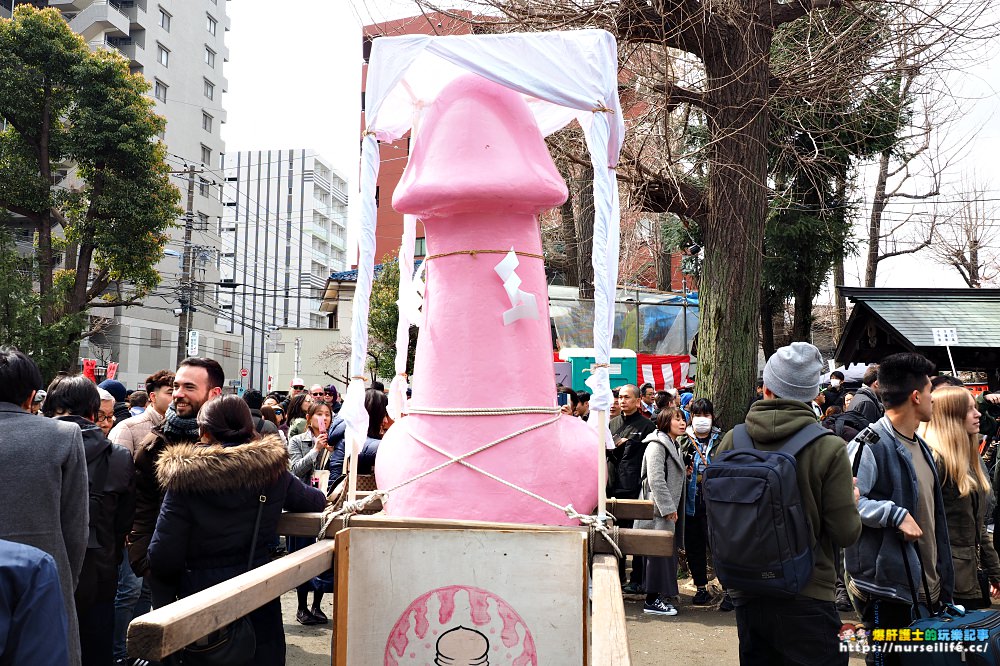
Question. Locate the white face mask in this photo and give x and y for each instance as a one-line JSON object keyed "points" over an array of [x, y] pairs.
{"points": [[702, 425], [835, 383]]}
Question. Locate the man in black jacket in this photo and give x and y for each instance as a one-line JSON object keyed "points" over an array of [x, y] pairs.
{"points": [[111, 475], [834, 395], [867, 401], [628, 430]]}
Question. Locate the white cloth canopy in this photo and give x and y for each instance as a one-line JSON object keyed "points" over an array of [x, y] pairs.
{"points": [[563, 75]]}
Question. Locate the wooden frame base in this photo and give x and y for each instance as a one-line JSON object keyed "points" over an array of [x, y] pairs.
{"points": [[166, 630]]}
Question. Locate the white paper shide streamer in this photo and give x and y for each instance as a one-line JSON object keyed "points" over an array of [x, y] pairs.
{"points": [[523, 304]]}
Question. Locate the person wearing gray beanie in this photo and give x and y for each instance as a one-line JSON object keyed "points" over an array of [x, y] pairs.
{"points": [[823, 473], [793, 372]]}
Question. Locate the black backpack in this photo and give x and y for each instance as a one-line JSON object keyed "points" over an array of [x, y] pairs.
{"points": [[847, 425], [760, 536]]}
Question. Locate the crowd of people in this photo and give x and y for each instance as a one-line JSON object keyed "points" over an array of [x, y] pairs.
{"points": [[136, 500], [922, 487], [113, 503]]}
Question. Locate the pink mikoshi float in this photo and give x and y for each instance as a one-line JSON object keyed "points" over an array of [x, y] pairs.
{"points": [[478, 177]]}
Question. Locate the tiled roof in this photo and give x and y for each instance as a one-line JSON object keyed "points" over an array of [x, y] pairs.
{"points": [[974, 313]]}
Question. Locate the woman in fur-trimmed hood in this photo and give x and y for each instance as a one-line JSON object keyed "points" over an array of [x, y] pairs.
{"points": [[213, 490]]}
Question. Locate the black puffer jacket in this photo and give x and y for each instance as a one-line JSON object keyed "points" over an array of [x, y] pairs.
{"points": [[111, 510], [867, 402], [206, 521], [626, 459]]}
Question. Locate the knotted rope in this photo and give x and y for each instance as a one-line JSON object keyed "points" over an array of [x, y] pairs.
{"points": [[593, 522], [473, 253]]}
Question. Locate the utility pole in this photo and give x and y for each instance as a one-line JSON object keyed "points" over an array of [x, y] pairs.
{"points": [[298, 355], [187, 276]]}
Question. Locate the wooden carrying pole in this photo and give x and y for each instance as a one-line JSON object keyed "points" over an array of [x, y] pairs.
{"points": [[609, 640], [602, 466], [168, 629]]}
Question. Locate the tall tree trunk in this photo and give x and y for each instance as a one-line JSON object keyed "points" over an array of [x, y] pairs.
{"points": [[875, 222], [975, 281], [570, 240], [766, 326], [44, 228], [839, 302], [803, 319], [737, 85], [584, 207], [664, 266]]}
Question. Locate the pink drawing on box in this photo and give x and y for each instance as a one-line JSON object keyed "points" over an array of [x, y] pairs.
{"points": [[463, 618]]}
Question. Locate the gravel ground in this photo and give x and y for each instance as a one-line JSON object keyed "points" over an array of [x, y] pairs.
{"points": [[696, 636]]}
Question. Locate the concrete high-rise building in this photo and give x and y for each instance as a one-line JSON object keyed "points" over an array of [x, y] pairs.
{"points": [[179, 47], [283, 233]]}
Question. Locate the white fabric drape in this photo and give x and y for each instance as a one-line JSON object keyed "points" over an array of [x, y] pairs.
{"points": [[397, 389], [564, 75]]}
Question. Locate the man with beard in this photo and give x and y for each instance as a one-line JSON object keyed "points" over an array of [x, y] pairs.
{"points": [[196, 381]]}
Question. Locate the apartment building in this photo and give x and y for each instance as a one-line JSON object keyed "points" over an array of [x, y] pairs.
{"points": [[283, 232], [179, 47]]}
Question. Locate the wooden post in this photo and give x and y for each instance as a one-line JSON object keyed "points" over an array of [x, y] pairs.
{"points": [[352, 476], [628, 509], [609, 639], [653, 543], [602, 466]]}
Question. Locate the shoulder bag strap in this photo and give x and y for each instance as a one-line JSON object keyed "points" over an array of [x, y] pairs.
{"points": [[256, 531], [909, 577], [804, 438], [866, 436], [741, 439]]}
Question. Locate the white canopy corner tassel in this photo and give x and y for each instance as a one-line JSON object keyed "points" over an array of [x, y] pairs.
{"points": [[355, 415], [413, 300], [397, 397], [398, 386], [524, 305]]}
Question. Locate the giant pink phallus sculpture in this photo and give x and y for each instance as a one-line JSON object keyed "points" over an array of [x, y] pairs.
{"points": [[478, 177]]}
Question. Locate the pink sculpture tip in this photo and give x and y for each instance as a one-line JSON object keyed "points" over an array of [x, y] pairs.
{"points": [[498, 164]]}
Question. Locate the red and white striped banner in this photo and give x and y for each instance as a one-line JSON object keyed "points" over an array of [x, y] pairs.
{"points": [[662, 371]]}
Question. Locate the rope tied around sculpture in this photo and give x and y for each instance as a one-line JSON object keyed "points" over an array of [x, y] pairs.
{"points": [[593, 522], [483, 411], [473, 253]]}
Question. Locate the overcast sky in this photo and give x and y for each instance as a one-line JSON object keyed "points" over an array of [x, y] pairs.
{"points": [[294, 76]]}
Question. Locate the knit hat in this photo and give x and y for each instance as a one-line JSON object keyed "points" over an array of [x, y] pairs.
{"points": [[115, 388], [793, 372]]}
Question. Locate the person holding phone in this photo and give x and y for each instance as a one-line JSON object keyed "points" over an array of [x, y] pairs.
{"points": [[567, 400], [308, 452]]}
